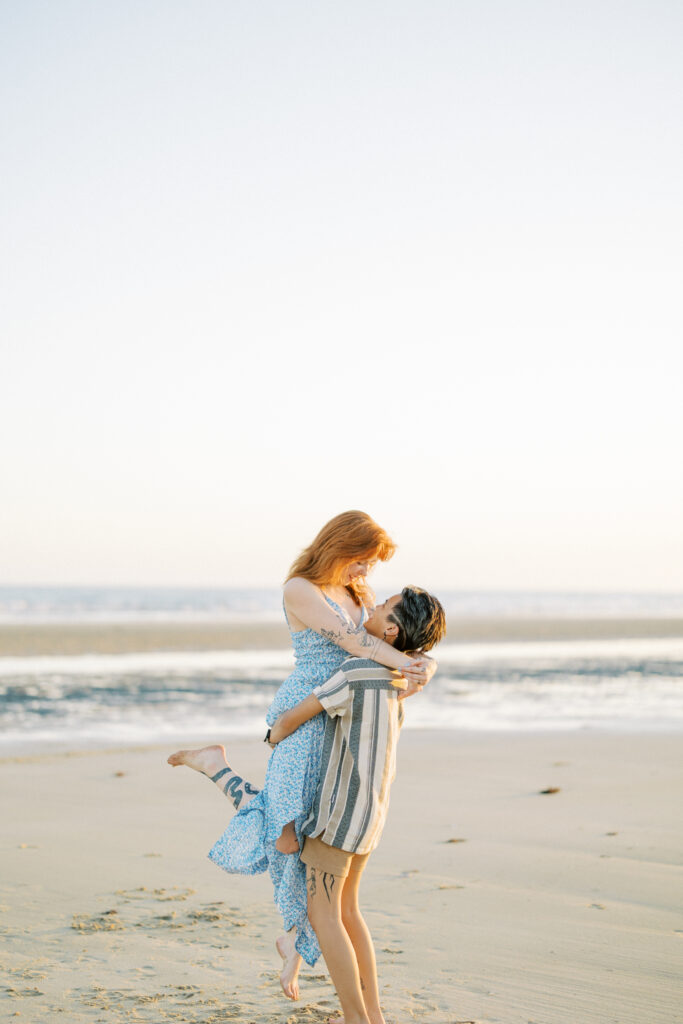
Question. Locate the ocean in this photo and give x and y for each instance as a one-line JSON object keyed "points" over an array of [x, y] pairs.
{"points": [[77, 701]]}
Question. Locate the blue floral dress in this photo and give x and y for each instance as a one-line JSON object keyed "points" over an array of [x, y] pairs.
{"points": [[247, 846]]}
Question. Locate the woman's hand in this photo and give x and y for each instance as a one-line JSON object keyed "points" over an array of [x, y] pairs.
{"points": [[419, 671]]}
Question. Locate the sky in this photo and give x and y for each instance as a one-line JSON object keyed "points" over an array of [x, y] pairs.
{"points": [[265, 262]]}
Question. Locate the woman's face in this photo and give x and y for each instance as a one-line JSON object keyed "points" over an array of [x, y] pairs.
{"points": [[356, 569]]}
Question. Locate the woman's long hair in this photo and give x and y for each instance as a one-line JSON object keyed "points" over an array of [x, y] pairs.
{"points": [[349, 537]]}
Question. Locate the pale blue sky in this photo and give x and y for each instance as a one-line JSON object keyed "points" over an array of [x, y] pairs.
{"points": [[264, 262]]}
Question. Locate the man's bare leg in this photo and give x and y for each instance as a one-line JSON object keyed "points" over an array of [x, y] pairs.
{"points": [[289, 976], [211, 761], [361, 940], [324, 912]]}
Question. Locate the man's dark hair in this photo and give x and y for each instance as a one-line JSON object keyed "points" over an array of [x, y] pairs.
{"points": [[420, 619]]}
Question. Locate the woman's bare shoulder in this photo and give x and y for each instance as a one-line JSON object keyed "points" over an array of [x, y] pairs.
{"points": [[298, 587]]}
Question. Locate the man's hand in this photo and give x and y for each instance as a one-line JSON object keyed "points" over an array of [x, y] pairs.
{"points": [[409, 690], [289, 721]]}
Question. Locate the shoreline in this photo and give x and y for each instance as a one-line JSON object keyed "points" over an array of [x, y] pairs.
{"points": [[34, 639]]}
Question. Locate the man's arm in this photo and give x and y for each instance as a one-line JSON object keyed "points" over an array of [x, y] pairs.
{"points": [[289, 721]]}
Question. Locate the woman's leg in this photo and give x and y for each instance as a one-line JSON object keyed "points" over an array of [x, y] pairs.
{"points": [[211, 761], [325, 914], [289, 976]]}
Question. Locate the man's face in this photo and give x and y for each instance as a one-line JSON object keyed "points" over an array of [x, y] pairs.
{"points": [[378, 624]]}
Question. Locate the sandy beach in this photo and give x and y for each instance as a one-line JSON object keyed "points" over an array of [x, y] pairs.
{"points": [[488, 901]]}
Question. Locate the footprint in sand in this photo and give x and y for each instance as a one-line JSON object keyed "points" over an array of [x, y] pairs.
{"points": [[140, 910], [105, 922], [176, 1002], [162, 895], [28, 973]]}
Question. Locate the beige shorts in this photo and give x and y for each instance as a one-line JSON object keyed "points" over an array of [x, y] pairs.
{"points": [[324, 857]]}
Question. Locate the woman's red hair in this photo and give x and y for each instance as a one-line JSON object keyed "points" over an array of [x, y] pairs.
{"points": [[349, 537]]}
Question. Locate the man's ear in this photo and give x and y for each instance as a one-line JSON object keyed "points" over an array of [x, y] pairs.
{"points": [[391, 631]]}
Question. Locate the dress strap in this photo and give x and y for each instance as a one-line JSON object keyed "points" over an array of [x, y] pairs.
{"points": [[330, 601], [340, 608]]}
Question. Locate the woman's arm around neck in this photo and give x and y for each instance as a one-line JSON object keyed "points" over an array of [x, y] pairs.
{"points": [[306, 602]]}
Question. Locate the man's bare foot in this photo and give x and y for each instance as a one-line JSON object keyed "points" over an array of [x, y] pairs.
{"points": [[289, 976], [287, 842], [373, 1019], [340, 1020], [207, 760]]}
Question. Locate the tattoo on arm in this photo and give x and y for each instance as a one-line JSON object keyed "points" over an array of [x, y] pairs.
{"points": [[334, 635], [359, 632], [312, 883], [362, 984]]}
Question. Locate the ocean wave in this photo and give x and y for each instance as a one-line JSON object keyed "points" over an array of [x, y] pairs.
{"points": [[550, 652], [557, 651], [75, 604], [151, 697], [152, 661]]}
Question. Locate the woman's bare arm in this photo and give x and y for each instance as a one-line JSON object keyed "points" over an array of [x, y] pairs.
{"points": [[307, 603]]}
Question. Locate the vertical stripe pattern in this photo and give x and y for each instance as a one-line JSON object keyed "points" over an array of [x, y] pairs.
{"points": [[359, 756]]}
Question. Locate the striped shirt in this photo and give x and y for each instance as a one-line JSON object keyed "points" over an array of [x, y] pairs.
{"points": [[359, 756]]}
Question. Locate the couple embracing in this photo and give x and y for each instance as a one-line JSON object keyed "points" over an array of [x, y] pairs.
{"points": [[334, 726]]}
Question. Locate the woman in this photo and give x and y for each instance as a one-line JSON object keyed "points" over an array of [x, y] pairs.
{"points": [[326, 601]]}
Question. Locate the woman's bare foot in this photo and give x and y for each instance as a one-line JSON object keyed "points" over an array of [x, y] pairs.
{"points": [[289, 976], [207, 760], [287, 842]]}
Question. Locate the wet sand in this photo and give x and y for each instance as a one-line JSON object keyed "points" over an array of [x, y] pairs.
{"points": [[488, 901], [19, 639]]}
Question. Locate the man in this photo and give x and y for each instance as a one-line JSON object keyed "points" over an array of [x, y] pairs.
{"points": [[358, 765]]}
